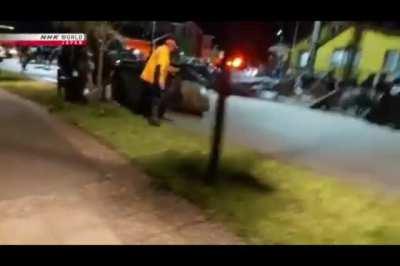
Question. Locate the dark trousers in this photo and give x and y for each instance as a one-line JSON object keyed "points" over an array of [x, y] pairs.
{"points": [[166, 100], [152, 98], [156, 96]]}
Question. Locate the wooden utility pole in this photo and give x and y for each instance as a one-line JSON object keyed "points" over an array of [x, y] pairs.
{"points": [[353, 49], [296, 29], [313, 46]]}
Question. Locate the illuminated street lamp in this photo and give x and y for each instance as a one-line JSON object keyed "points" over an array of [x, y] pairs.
{"points": [[279, 34], [5, 27]]}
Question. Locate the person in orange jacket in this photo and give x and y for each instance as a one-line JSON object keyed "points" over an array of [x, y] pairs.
{"points": [[155, 75]]}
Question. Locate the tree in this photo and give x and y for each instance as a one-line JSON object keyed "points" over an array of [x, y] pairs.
{"points": [[97, 34]]}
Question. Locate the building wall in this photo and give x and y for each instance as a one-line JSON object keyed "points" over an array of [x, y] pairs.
{"points": [[324, 53], [373, 47], [296, 52], [327, 32]]}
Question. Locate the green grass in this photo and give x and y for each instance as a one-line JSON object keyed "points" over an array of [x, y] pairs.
{"points": [[262, 200], [10, 76]]}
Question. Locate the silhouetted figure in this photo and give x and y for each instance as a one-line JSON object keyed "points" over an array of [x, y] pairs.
{"points": [[74, 64]]}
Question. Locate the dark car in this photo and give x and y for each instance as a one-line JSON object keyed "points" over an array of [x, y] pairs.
{"points": [[187, 88], [126, 85], [386, 111]]}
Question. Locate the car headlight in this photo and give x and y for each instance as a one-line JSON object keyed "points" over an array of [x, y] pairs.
{"points": [[203, 91], [136, 52]]}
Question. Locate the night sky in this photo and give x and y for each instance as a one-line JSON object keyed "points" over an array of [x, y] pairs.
{"points": [[245, 37], [249, 38], [252, 38]]}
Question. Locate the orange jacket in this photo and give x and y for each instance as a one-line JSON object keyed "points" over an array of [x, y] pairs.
{"points": [[160, 57]]}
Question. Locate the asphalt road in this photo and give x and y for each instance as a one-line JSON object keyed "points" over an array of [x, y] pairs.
{"points": [[327, 142], [36, 71]]}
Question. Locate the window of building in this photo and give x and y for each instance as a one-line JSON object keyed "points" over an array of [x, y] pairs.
{"points": [[341, 57], [303, 58], [357, 59], [391, 62]]}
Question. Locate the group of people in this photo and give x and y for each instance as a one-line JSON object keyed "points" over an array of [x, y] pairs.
{"points": [[45, 54]]}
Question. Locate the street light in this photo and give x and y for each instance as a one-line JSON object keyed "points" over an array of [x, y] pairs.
{"points": [[6, 27], [279, 34]]}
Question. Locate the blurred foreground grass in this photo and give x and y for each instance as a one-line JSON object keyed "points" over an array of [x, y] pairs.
{"points": [[262, 200]]}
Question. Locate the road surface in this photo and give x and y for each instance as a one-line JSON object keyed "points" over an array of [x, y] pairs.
{"points": [[36, 71], [328, 142]]}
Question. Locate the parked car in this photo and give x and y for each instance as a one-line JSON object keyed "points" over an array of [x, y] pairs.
{"points": [[386, 108], [126, 85], [188, 88], [189, 91], [249, 85], [11, 52]]}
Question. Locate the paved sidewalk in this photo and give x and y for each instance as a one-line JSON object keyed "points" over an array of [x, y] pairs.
{"points": [[58, 185]]}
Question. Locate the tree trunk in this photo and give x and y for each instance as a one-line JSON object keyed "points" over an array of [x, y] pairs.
{"points": [[100, 64]]}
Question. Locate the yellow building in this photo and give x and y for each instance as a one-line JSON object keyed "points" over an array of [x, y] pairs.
{"points": [[378, 50]]}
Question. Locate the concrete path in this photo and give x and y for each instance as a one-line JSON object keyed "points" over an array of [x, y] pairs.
{"points": [[60, 186]]}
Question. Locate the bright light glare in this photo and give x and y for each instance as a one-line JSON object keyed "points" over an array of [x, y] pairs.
{"points": [[6, 27], [136, 52], [252, 72], [237, 62], [279, 33]]}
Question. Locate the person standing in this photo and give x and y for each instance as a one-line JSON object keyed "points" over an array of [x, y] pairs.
{"points": [[154, 77]]}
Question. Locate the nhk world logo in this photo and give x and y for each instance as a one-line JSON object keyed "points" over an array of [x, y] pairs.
{"points": [[44, 39]]}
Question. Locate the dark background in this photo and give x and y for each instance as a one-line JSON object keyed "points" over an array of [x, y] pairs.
{"points": [[249, 38], [252, 38]]}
